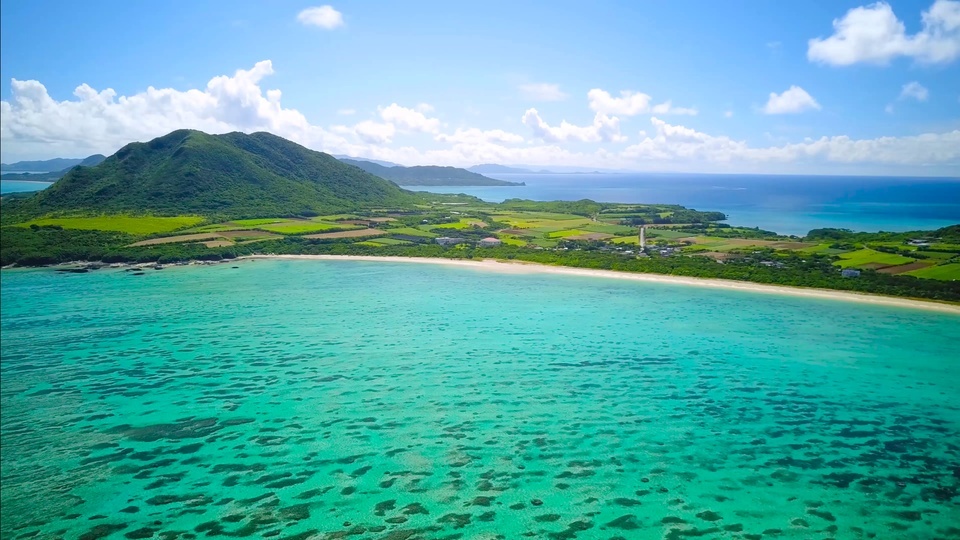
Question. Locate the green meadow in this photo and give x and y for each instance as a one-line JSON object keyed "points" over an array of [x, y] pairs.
{"points": [[136, 225]]}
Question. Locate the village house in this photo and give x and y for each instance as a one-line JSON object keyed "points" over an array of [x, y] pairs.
{"points": [[447, 241], [489, 242], [850, 272]]}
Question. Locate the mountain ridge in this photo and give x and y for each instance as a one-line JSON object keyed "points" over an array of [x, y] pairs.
{"points": [[230, 175], [428, 175]]}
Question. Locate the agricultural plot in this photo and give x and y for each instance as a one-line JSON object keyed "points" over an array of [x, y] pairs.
{"points": [[630, 240], [255, 222], [868, 258], [944, 272], [410, 231], [566, 233], [303, 227], [512, 240], [465, 223], [138, 225], [615, 230], [360, 233], [200, 237], [380, 242]]}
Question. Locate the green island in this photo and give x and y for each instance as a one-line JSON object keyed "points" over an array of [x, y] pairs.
{"points": [[190, 196]]}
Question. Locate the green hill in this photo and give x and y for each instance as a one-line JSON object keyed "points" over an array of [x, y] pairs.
{"points": [[428, 175], [232, 175]]}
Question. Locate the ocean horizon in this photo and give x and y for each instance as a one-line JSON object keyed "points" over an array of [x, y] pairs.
{"points": [[785, 204], [296, 398]]}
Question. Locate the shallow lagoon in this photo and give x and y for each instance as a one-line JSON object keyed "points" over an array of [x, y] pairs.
{"points": [[390, 400]]}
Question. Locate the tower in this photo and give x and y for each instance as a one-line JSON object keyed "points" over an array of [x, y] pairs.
{"points": [[643, 238]]}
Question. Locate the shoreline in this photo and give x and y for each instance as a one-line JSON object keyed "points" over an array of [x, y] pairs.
{"points": [[520, 267]]}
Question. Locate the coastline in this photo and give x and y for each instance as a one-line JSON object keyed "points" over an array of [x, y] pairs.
{"points": [[520, 267]]}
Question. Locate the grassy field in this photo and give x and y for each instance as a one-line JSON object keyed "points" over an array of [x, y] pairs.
{"points": [[616, 230], [865, 257], [565, 233], [303, 227], [411, 232], [945, 272], [511, 240], [139, 225], [464, 223], [256, 222]]}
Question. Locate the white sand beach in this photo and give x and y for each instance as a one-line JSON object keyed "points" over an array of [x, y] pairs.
{"points": [[519, 267]]}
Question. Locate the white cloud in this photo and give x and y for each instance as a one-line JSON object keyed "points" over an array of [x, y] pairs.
{"points": [[672, 143], [424, 108], [33, 123], [628, 104], [375, 132], [604, 128], [631, 103], [476, 136], [728, 114], [409, 119], [915, 91], [347, 112], [542, 92], [873, 34], [323, 17], [791, 101], [667, 108], [35, 126]]}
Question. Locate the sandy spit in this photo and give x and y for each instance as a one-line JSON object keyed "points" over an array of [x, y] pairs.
{"points": [[519, 267]]}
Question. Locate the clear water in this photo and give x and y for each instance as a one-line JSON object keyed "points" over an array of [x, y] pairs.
{"points": [[784, 204], [21, 186], [389, 400]]}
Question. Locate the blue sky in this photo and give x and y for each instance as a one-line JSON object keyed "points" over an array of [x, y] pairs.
{"points": [[398, 80]]}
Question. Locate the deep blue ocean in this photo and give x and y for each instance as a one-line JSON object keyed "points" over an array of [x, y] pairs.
{"points": [[785, 204]]}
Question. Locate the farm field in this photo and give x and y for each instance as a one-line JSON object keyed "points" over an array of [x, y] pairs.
{"points": [[137, 225], [945, 272], [868, 258], [411, 231], [359, 233], [304, 227]]}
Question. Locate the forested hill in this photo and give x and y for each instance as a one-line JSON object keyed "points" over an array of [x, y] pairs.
{"points": [[428, 175], [231, 175]]}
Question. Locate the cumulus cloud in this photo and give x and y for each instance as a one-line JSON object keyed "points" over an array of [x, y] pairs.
{"points": [[542, 92], [631, 103], [672, 143], [409, 119], [791, 101], [33, 125], [914, 90], [603, 128], [322, 17], [873, 34], [477, 136]]}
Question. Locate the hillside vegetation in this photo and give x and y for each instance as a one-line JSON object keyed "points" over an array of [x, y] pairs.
{"points": [[428, 175], [235, 175]]}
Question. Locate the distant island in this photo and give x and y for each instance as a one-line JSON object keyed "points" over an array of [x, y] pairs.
{"points": [[191, 196], [49, 165], [428, 175], [45, 171], [490, 168]]}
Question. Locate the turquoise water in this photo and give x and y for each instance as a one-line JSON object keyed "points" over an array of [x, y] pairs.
{"points": [[300, 399], [787, 204], [20, 186]]}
